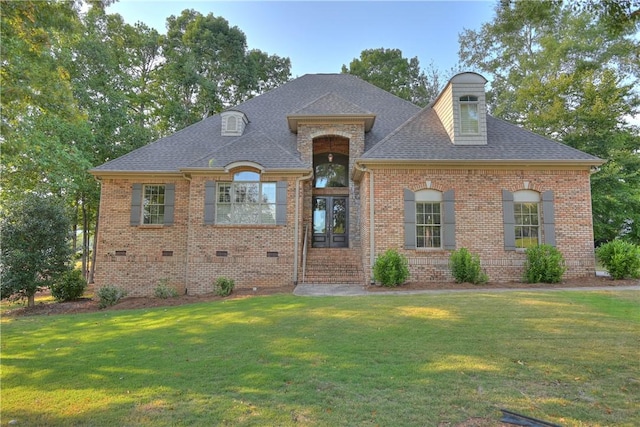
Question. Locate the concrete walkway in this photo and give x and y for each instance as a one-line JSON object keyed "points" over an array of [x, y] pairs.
{"points": [[357, 290]]}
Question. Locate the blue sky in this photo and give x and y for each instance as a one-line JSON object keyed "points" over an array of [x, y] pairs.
{"points": [[319, 37]]}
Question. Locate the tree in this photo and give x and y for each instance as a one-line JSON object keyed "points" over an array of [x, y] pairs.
{"points": [[616, 15], [208, 68], [389, 70], [35, 246], [41, 125], [560, 73]]}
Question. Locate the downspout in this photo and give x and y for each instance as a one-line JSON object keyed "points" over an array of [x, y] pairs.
{"points": [[296, 227], [189, 226], [372, 240]]}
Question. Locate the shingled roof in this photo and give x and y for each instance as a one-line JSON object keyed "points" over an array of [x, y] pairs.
{"points": [[423, 137], [401, 131]]}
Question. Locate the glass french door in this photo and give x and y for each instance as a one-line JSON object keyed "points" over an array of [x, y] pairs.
{"points": [[330, 222]]}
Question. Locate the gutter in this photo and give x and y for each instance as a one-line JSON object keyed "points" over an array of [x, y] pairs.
{"points": [[372, 239], [483, 164], [296, 228], [186, 264]]}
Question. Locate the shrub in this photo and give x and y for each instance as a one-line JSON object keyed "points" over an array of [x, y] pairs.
{"points": [[110, 295], [71, 285], [620, 258], [391, 268], [164, 290], [465, 267], [223, 286], [544, 264]]}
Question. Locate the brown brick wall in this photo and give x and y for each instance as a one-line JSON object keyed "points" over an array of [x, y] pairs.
{"points": [[478, 207], [144, 265], [246, 262]]}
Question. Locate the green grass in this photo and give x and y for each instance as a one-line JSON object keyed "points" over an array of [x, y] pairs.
{"points": [[566, 357]]}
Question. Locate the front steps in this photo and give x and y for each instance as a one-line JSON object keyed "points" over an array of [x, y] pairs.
{"points": [[333, 266]]}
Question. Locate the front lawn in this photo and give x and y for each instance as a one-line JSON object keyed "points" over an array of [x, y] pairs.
{"points": [[418, 360]]}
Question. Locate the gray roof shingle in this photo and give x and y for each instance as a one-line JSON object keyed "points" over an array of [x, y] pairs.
{"points": [[401, 131], [423, 137]]}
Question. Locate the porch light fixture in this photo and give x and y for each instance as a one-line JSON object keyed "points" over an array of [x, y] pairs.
{"points": [[330, 156]]}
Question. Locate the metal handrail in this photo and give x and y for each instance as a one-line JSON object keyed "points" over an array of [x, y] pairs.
{"points": [[304, 252]]}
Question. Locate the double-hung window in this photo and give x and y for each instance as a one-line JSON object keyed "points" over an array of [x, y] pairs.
{"points": [[153, 204], [246, 200], [527, 218], [469, 114], [428, 219]]}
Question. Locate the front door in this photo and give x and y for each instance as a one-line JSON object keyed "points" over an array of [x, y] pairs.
{"points": [[330, 225]]}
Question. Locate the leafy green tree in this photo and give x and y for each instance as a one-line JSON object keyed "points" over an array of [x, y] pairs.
{"points": [[616, 15], [41, 124], [35, 246], [208, 68], [389, 70], [562, 74]]}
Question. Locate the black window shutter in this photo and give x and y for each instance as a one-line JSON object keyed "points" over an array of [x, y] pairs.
{"points": [[210, 202], [281, 203], [548, 218], [449, 220], [136, 204], [509, 221], [169, 202], [409, 219]]}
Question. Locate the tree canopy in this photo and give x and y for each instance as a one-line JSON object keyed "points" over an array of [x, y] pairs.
{"points": [[563, 73], [403, 77], [80, 88]]}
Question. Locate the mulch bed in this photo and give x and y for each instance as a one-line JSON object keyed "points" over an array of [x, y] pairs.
{"points": [[87, 305]]}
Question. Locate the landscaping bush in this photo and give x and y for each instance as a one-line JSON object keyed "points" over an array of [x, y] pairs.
{"points": [[164, 290], [620, 258], [223, 286], [544, 264], [69, 287], [110, 295], [391, 268], [465, 267]]}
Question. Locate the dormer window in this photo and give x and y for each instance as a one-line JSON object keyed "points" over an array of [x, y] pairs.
{"points": [[233, 123], [469, 114]]}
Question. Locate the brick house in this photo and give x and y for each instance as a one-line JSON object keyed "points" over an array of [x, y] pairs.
{"points": [[311, 181]]}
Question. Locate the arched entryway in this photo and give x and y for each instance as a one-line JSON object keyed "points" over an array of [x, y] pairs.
{"points": [[330, 206]]}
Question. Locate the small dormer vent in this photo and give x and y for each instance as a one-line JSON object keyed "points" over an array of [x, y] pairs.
{"points": [[233, 123]]}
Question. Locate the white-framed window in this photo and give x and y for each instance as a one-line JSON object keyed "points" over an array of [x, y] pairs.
{"points": [[153, 204], [428, 219], [232, 125], [246, 200], [469, 114], [526, 210]]}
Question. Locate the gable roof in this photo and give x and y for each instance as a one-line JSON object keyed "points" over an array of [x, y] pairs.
{"points": [[331, 106], [401, 131]]}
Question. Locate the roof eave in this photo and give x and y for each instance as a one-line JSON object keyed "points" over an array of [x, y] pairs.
{"points": [[100, 174], [294, 120], [482, 163], [225, 170]]}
